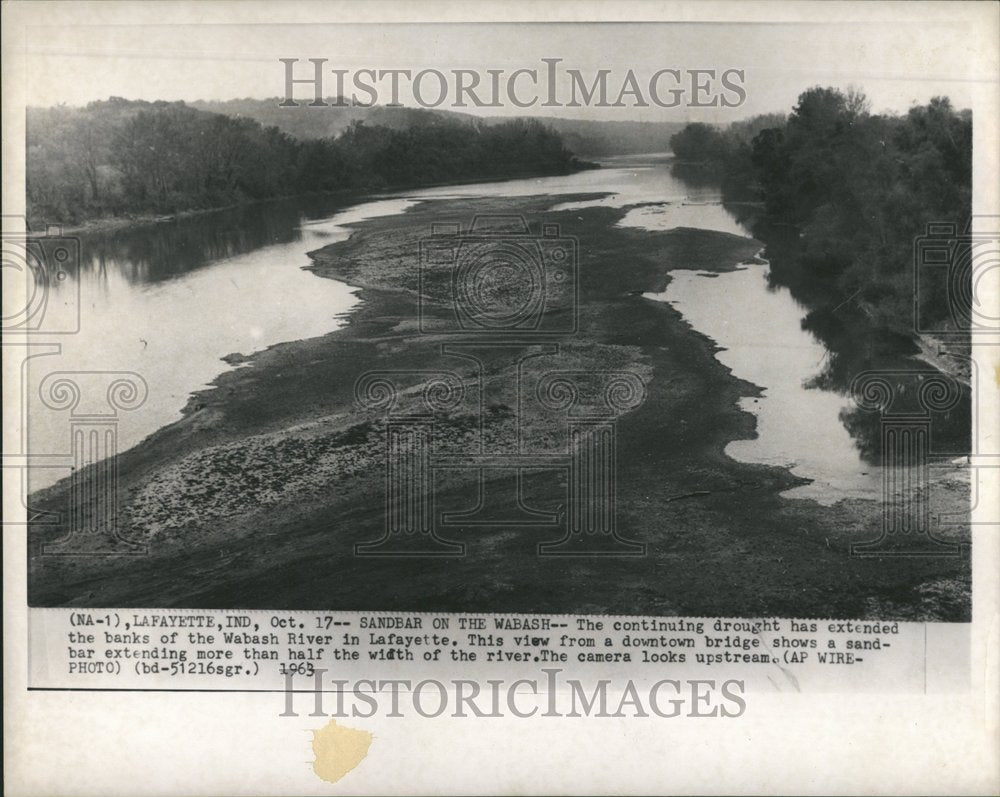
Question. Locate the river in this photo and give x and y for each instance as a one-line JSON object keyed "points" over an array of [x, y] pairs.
{"points": [[168, 301]]}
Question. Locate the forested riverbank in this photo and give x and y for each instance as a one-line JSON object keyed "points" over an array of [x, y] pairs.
{"points": [[840, 194], [122, 159]]}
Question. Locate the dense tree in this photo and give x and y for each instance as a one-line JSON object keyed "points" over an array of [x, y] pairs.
{"points": [[116, 157], [699, 143], [856, 188]]}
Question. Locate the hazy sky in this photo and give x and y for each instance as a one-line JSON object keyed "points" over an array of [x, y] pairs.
{"points": [[896, 64]]}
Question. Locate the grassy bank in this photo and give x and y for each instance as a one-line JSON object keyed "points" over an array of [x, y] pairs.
{"points": [[258, 495]]}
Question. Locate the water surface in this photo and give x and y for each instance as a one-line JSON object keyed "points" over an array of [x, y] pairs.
{"points": [[169, 301], [798, 427]]}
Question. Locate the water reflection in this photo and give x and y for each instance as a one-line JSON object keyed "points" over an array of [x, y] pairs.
{"points": [[155, 252], [805, 421], [855, 343], [168, 301], [778, 329]]}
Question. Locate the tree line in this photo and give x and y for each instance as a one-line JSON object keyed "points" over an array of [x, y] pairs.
{"points": [[123, 158], [843, 193]]}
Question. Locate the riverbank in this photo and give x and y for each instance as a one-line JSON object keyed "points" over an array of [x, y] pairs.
{"points": [[107, 224], [258, 495]]}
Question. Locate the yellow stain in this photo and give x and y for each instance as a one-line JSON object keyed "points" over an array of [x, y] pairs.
{"points": [[338, 750]]}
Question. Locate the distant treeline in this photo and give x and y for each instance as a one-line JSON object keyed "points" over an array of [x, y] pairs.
{"points": [[586, 137], [845, 192], [123, 157]]}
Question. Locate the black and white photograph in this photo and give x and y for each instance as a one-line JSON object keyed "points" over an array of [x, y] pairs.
{"points": [[343, 327], [343, 352]]}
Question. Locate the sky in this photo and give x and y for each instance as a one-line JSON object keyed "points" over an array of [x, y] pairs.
{"points": [[896, 64]]}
